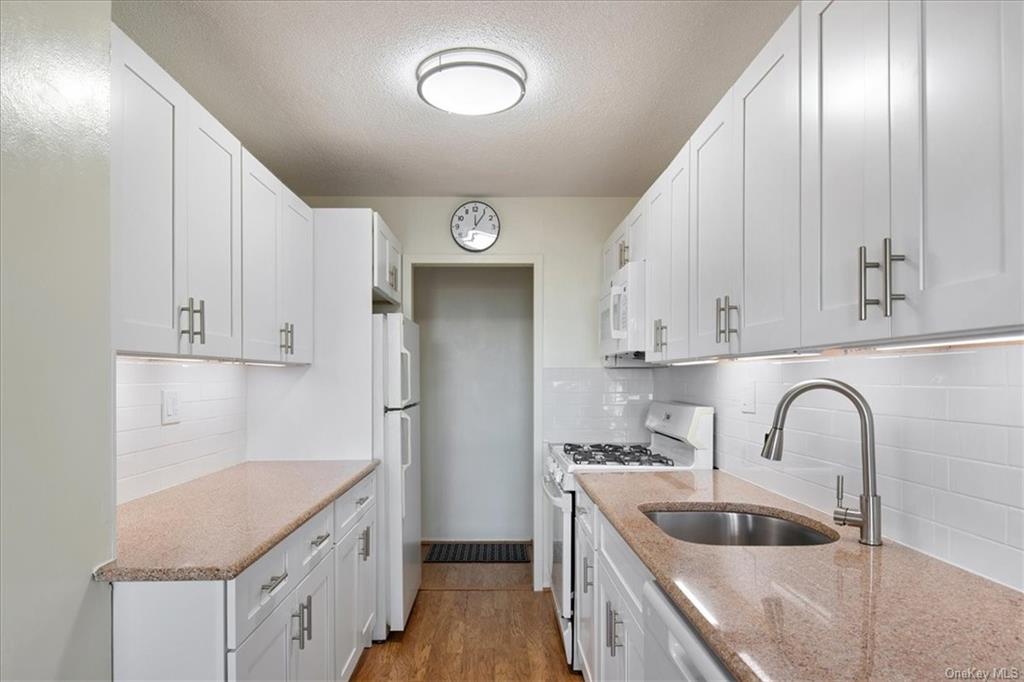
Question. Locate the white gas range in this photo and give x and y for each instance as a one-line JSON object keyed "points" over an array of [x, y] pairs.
{"points": [[682, 437]]}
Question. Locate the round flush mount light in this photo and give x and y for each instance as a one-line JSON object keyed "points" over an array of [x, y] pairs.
{"points": [[471, 81]]}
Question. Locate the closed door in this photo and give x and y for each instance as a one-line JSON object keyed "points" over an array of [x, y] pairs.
{"points": [[214, 236], [586, 596], [715, 234], [844, 166], [635, 236], [956, 138], [658, 270], [768, 113], [315, 659], [296, 259], [368, 577], [261, 215], [677, 333], [267, 653], [149, 111], [347, 644], [611, 656]]}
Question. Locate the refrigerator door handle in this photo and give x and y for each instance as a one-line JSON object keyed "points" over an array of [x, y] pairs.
{"points": [[406, 376], [406, 456]]}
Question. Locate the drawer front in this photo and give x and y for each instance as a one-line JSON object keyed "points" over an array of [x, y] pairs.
{"points": [[625, 566], [350, 506], [312, 541], [585, 511], [254, 594]]}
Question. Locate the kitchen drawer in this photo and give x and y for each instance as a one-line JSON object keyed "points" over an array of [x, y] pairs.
{"points": [[350, 506], [312, 541], [257, 590], [626, 568], [585, 511]]}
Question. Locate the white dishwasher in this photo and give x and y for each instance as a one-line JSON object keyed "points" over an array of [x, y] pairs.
{"points": [[672, 648]]}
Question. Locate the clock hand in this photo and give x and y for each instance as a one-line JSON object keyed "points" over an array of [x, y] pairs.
{"points": [[476, 221]]}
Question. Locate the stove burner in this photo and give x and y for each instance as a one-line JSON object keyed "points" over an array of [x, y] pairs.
{"points": [[615, 454]]}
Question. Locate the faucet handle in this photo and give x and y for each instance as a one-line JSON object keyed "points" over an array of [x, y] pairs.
{"points": [[839, 490]]}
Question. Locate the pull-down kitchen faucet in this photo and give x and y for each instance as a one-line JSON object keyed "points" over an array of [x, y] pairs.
{"points": [[869, 517]]}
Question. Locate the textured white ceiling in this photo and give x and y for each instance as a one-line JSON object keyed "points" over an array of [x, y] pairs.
{"points": [[324, 93]]}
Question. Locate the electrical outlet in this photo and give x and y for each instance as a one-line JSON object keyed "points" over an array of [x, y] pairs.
{"points": [[170, 406], [749, 400]]}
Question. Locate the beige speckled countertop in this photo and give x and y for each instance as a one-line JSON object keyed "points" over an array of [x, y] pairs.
{"points": [[214, 527], [826, 612]]}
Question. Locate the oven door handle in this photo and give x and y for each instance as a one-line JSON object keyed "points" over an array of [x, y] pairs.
{"points": [[557, 497]]}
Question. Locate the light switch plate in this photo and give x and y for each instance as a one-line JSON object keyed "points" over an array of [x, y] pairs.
{"points": [[170, 406], [749, 400]]}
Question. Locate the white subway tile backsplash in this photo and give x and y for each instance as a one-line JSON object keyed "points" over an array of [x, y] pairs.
{"points": [[210, 436], [949, 433], [594, 404]]}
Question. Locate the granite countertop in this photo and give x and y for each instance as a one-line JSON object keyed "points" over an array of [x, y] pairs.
{"points": [[836, 611], [214, 527]]}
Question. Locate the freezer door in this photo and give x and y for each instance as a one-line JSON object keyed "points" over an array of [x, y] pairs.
{"points": [[403, 362], [402, 437]]}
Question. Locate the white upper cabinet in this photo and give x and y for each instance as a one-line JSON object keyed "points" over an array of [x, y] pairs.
{"points": [[387, 263], [296, 278], [616, 250], [844, 168], [767, 98], [262, 198], [957, 150], [716, 255], [214, 236], [635, 236], [676, 333], [148, 148], [657, 271]]}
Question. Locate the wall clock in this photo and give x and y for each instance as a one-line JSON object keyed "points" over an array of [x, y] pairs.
{"points": [[475, 226]]}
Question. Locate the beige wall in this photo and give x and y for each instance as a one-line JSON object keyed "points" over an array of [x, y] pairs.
{"points": [[56, 392], [567, 231]]}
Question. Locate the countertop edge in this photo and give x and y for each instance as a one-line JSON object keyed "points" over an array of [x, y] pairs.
{"points": [[111, 572]]}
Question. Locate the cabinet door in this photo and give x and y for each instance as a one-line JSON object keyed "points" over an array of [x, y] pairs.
{"points": [[267, 653], [387, 262], [956, 140], [657, 270], [635, 236], [585, 591], [611, 634], [315, 660], [214, 235], [368, 578], [147, 163], [296, 280], [615, 252], [768, 115], [262, 198], [347, 642], [844, 166], [715, 232], [677, 332]]}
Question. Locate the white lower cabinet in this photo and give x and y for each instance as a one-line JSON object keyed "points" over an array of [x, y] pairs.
{"points": [[356, 595], [368, 578], [265, 655], [586, 600]]}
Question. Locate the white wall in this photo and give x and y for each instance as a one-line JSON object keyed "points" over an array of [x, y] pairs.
{"points": [[596, 405], [567, 231], [56, 391], [209, 437], [949, 444], [476, 389]]}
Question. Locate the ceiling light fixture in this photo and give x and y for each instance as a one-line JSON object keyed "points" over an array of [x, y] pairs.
{"points": [[471, 81]]}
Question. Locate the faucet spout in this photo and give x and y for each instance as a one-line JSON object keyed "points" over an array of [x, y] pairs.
{"points": [[868, 517]]}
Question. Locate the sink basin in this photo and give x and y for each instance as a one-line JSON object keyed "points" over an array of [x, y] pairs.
{"points": [[735, 528]]}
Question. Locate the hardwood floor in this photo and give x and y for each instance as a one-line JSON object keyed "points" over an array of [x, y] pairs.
{"points": [[473, 622]]}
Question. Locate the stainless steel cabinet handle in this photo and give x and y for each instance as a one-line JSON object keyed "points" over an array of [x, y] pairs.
{"points": [[863, 265], [615, 644], [719, 332], [362, 500], [369, 530], [625, 253], [291, 339], [664, 337], [364, 551], [202, 322], [729, 329], [587, 582], [319, 540], [608, 625], [275, 581], [309, 618], [301, 615], [283, 338], [190, 311], [888, 258]]}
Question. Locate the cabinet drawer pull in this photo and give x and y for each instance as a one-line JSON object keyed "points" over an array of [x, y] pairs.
{"points": [[608, 626], [863, 265], [729, 329], [587, 582], [202, 322], [309, 618], [190, 311], [301, 615], [319, 540], [283, 338], [888, 258], [615, 643], [275, 582], [362, 500]]}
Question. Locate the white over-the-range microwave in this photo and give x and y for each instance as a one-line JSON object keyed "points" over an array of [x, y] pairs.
{"points": [[621, 312]]}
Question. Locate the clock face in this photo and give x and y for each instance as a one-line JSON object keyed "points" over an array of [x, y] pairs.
{"points": [[475, 226]]}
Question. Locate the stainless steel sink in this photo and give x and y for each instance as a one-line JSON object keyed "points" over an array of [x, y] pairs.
{"points": [[735, 528]]}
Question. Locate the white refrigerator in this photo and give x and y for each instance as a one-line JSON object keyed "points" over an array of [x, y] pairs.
{"points": [[396, 443]]}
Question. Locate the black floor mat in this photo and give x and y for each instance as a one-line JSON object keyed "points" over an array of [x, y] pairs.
{"points": [[478, 553]]}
